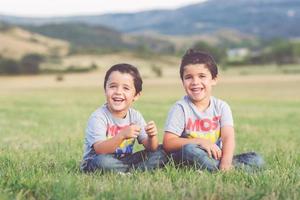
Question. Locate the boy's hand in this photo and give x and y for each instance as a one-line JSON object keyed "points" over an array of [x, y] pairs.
{"points": [[212, 149], [131, 131], [151, 129]]}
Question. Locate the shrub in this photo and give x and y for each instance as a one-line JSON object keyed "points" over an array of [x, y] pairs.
{"points": [[156, 70], [30, 63], [9, 66], [59, 77]]}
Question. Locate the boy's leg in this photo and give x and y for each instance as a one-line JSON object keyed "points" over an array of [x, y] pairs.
{"points": [[192, 154], [147, 160], [106, 162], [249, 161]]}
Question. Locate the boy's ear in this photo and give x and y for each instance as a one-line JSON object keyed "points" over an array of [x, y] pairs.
{"points": [[215, 81], [137, 96]]}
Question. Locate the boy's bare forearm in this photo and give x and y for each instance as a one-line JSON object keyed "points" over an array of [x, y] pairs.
{"points": [[151, 143], [228, 141], [108, 146], [175, 143], [227, 151]]}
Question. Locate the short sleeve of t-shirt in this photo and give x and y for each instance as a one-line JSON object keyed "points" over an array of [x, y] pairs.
{"points": [[96, 128], [226, 115], [175, 121]]}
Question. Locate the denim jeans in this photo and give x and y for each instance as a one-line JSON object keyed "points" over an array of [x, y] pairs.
{"points": [[193, 154], [141, 160]]}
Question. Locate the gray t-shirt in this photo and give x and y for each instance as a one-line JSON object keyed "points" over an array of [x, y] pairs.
{"points": [[102, 126], [185, 120]]}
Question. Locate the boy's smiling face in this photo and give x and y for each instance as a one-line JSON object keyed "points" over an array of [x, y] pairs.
{"points": [[120, 93], [197, 82]]}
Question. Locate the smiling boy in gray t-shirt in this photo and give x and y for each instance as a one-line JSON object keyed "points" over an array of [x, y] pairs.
{"points": [[199, 128], [113, 128]]}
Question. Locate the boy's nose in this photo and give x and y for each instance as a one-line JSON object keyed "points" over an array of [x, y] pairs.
{"points": [[119, 90], [195, 81]]}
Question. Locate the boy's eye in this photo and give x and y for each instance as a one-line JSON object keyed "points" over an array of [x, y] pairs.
{"points": [[126, 88], [187, 77], [112, 86]]}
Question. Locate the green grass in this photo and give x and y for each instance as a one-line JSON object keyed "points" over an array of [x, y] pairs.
{"points": [[42, 131]]}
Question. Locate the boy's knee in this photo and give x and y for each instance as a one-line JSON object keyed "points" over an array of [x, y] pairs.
{"points": [[159, 154], [192, 149], [160, 151], [251, 159], [189, 147], [102, 161], [257, 160], [102, 157], [193, 154]]}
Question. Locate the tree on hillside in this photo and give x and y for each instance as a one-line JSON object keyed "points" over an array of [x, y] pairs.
{"points": [[282, 52], [9, 66], [30, 63], [296, 51], [218, 53]]}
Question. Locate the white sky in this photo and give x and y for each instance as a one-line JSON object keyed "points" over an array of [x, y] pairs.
{"points": [[48, 8]]}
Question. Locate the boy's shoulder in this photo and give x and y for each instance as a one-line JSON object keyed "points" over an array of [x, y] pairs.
{"points": [[101, 111], [219, 105], [218, 102], [180, 105], [134, 112], [183, 101]]}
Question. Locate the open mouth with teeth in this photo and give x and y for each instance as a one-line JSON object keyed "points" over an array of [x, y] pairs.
{"points": [[197, 90], [118, 99]]}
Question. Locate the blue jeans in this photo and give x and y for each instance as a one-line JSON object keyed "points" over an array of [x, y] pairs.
{"points": [[141, 160], [193, 154]]}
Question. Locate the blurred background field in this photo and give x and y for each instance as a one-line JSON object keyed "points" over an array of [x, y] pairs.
{"points": [[82, 43], [51, 79]]}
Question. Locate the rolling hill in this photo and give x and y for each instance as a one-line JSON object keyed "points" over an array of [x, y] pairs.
{"points": [[85, 37], [261, 18], [16, 42]]}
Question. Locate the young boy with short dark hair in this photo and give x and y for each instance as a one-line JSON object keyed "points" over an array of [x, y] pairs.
{"points": [[113, 128], [199, 129]]}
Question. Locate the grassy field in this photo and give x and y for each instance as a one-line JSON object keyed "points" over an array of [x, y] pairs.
{"points": [[42, 126]]}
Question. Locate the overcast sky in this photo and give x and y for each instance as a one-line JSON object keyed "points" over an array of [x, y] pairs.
{"points": [[47, 8]]}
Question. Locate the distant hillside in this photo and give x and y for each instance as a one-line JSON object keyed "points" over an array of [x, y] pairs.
{"points": [[87, 37], [16, 42], [81, 35], [262, 18]]}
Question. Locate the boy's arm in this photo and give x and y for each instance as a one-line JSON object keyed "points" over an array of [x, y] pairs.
{"points": [[151, 143], [173, 142], [110, 145], [228, 142]]}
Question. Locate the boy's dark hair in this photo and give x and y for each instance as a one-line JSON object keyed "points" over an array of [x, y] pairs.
{"points": [[129, 69], [197, 57]]}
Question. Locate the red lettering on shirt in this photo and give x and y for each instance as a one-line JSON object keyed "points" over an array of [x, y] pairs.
{"points": [[205, 124], [113, 130]]}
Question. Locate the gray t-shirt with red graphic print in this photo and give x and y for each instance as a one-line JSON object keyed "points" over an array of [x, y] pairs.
{"points": [[185, 120], [102, 126]]}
